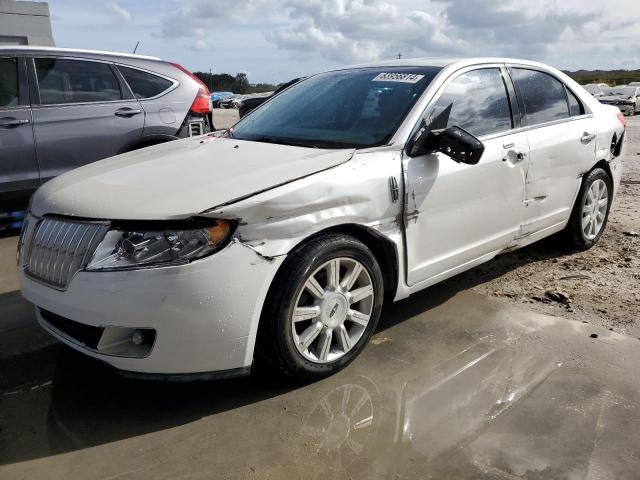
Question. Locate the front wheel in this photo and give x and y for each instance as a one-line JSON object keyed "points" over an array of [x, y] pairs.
{"points": [[591, 210], [323, 307]]}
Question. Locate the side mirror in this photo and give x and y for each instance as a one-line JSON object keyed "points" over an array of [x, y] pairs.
{"points": [[454, 142]]}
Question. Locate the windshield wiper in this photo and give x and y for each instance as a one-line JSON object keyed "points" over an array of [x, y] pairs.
{"points": [[284, 141]]}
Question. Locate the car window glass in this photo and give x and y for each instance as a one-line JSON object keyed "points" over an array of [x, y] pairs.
{"points": [[8, 82], [542, 95], [356, 108], [75, 81], [575, 107], [144, 84], [476, 101]]}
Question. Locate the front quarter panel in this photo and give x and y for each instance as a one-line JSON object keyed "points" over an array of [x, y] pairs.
{"points": [[272, 223]]}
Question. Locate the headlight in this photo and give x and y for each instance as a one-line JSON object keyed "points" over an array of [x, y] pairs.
{"points": [[124, 248]]}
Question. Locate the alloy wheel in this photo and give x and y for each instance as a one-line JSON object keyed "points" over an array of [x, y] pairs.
{"points": [[332, 310], [594, 209]]}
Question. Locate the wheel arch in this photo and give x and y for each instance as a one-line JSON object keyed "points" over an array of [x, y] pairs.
{"points": [[384, 250], [604, 165]]}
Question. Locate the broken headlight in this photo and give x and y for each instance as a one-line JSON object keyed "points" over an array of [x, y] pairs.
{"points": [[140, 248]]}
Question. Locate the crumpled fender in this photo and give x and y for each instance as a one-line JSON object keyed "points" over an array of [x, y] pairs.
{"points": [[273, 222]]}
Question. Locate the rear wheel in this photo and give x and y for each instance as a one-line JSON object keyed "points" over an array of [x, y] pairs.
{"points": [[591, 210], [323, 307]]}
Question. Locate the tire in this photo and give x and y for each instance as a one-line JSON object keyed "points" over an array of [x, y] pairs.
{"points": [[281, 340], [579, 236]]}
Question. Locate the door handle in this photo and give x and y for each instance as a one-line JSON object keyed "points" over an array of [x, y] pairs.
{"points": [[513, 157], [587, 137], [13, 122], [127, 112]]}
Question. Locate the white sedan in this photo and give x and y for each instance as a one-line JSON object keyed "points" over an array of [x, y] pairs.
{"points": [[280, 240]]}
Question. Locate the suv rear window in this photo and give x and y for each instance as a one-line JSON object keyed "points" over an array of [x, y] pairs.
{"points": [[543, 96], [8, 82], [75, 81], [144, 84]]}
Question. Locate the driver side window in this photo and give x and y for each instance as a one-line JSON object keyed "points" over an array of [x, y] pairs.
{"points": [[476, 101]]}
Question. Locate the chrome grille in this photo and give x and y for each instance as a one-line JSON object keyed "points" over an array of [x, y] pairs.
{"points": [[60, 247]]}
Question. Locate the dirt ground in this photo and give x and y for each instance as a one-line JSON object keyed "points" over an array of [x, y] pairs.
{"points": [[599, 286]]}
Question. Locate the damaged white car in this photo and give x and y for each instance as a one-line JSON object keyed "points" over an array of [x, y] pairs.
{"points": [[282, 239]]}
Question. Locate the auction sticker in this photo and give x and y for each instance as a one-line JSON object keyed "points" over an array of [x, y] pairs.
{"points": [[398, 77]]}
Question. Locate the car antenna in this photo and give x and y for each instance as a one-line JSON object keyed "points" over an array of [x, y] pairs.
{"points": [[136, 47]]}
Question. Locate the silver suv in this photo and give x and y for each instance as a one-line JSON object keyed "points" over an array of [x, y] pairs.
{"points": [[62, 108]]}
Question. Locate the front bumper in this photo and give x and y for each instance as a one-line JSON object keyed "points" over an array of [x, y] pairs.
{"points": [[205, 314]]}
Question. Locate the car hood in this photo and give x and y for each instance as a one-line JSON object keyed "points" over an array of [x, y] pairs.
{"points": [[179, 179]]}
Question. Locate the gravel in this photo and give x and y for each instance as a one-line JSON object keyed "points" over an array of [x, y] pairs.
{"points": [[600, 286]]}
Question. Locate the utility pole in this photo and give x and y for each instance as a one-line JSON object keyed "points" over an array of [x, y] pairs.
{"points": [[399, 56], [210, 80]]}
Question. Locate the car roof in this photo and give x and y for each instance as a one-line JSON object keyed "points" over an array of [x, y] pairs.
{"points": [[37, 49], [445, 62]]}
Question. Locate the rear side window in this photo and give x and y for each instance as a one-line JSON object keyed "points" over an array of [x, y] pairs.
{"points": [[144, 84], [575, 107], [476, 101], [75, 81], [8, 82], [543, 97]]}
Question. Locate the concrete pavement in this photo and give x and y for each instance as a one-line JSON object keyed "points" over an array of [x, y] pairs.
{"points": [[454, 385]]}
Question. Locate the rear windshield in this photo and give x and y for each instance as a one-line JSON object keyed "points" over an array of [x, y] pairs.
{"points": [[355, 108]]}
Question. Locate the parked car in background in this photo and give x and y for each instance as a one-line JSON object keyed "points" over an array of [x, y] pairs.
{"points": [[627, 99], [246, 105], [62, 108], [228, 102], [285, 236], [596, 89], [633, 84], [217, 97]]}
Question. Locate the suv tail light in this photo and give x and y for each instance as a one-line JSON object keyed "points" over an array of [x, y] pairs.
{"points": [[622, 120], [202, 102]]}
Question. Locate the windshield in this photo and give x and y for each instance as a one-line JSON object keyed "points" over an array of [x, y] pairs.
{"points": [[593, 89], [621, 92], [355, 108]]}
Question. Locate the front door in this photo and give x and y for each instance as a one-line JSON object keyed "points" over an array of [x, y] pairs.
{"points": [[85, 114], [457, 215], [18, 164]]}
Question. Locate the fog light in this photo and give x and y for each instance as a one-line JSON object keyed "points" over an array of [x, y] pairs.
{"points": [[137, 338]]}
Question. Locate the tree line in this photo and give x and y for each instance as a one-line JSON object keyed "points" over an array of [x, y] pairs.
{"points": [[610, 77], [223, 82]]}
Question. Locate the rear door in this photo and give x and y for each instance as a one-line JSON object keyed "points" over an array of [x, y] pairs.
{"points": [[562, 146], [18, 164], [84, 113]]}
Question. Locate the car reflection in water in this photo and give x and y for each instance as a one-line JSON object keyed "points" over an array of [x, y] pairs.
{"points": [[356, 425]]}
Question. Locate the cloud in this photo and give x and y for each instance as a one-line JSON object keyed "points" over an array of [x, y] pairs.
{"points": [[194, 17], [355, 30], [199, 45], [351, 31], [117, 13]]}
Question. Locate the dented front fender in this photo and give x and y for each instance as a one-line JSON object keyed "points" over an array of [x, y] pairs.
{"points": [[272, 223]]}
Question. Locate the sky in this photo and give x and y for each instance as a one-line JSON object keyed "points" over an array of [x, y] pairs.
{"points": [[276, 40]]}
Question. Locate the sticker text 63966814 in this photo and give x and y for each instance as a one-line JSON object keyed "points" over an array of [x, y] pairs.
{"points": [[398, 77]]}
